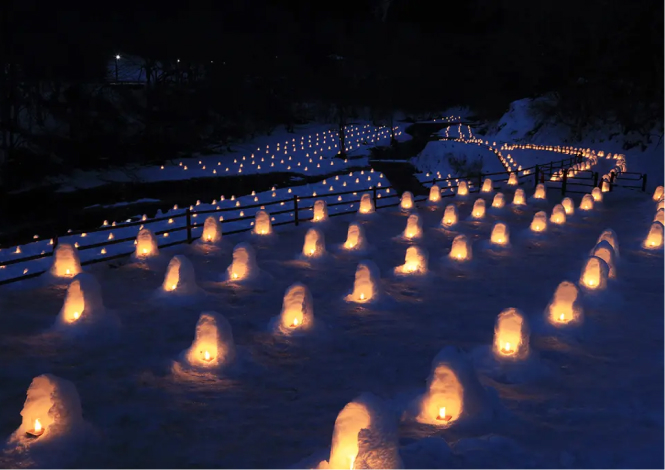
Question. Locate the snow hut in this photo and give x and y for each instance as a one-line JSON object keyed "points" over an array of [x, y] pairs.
{"points": [[594, 274], [449, 216], [604, 251], [512, 180], [413, 228], [587, 202], [461, 249], [558, 215], [597, 195], [511, 336], [244, 263], [315, 244], [406, 202], [213, 344], [478, 211], [518, 198], [564, 307], [539, 222], [355, 237], [66, 262], [499, 201], [487, 186], [654, 239], [435, 193], [212, 230], [610, 237], [297, 309], [415, 261], [320, 211], [540, 192], [146, 244], [366, 204], [180, 277], [83, 302], [500, 234], [366, 283], [262, 224], [568, 205], [462, 188], [658, 193]]}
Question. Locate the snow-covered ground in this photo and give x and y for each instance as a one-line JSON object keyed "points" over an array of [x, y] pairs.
{"points": [[589, 396]]}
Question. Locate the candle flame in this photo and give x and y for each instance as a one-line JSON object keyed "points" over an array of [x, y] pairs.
{"points": [[206, 356], [295, 322], [442, 412], [76, 315], [38, 426], [353, 461], [234, 276]]}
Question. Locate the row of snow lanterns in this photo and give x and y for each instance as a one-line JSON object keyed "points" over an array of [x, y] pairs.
{"points": [[379, 133], [654, 240]]}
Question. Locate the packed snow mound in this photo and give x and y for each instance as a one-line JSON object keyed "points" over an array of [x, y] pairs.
{"points": [[180, 277], [439, 158], [297, 310], [213, 346], [83, 309]]}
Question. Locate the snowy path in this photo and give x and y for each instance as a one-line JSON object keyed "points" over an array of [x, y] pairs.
{"points": [[602, 406]]}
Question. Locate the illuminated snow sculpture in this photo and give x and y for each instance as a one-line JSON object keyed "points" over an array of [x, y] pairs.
{"points": [[660, 216], [587, 202], [511, 335], [366, 283], [413, 228], [658, 193], [262, 224], [297, 310], [83, 305], [604, 251], [558, 214], [518, 198], [487, 186], [564, 307], [366, 204], [449, 216], [462, 188], [512, 180], [461, 249], [594, 274], [597, 195], [406, 202], [435, 194], [499, 201], [180, 277], [213, 345], [568, 205], [654, 240], [500, 234], [539, 222], [66, 262], [415, 262], [212, 230], [355, 238], [244, 265], [610, 237], [146, 244], [320, 211], [478, 211], [315, 244], [540, 192]]}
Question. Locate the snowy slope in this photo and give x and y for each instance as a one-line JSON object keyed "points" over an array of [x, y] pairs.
{"points": [[597, 404]]}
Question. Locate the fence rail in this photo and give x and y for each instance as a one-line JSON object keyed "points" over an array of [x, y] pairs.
{"points": [[522, 176]]}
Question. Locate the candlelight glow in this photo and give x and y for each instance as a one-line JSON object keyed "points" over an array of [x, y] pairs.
{"points": [[344, 449], [558, 214], [564, 308], [487, 186], [82, 301], [587, 202], [212, 230], [443, 403], [462, 188], [499, 201], [297, 309], [355, 238], [519, 199], [610, 237], [244, 264], [365, 284], [594, 274], [65, 261], [658, 193], [540, 192], [434, 193], [449, 216], [262, 224], [179, 275], [315, 245], [461, 249], [654, 239], [539, 222], [478, 211], [500, 234], [660, 216], [320, 211], [366, 204], [605, 186], [597, 194], [413, 227], [406, 202], [511, 338], [512, 179], [604, 251], [568, 205], [213, 344], [415, 262], [146, 244]]}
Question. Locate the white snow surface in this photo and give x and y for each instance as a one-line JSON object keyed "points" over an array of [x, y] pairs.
{"points": [[600, 405]]}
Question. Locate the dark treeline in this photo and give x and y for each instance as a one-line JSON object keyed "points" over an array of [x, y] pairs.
{"points": [[214, 73]]}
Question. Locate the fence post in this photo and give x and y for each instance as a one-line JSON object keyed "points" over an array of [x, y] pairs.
{"points": [[536, 173], [295, 209], [55, 241], [564, 181], [374, 198], [644, 183], [188, 217], [595, 179]]}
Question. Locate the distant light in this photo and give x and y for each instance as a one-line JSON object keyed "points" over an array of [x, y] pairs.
{"points": [[117, 57]]}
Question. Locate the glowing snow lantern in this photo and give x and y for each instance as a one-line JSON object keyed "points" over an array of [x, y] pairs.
{"points": [[213, 345], [461, 249], [212, 230], [478, 211], [355, 239], [262, 225], [487, 186], [449, 216], [511, 337], [366, 204], [413, 227], [499, 201], [605, 186], [315, 245], [146, 244], [52, 406], [500, 234], [518, 199], [462, 188], [320, 211], [661, 204], [540, 192], [453, 391], [366, 283], [179, 276], [597, 195], [587, 202], [244, 263], [539, 222], [83, 302], [415, 262], [594, 274], [604, 251], [406, 202], [512, 179], [660, 216], [65, 261], [568, 205], [655, 237], [564, 307], [297, 309], [435, 193], [558, 214], [610, 237], [658, 193]]}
